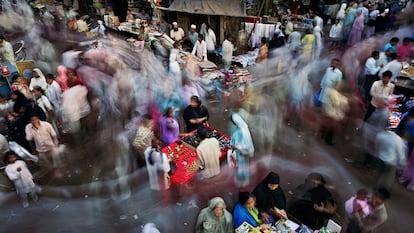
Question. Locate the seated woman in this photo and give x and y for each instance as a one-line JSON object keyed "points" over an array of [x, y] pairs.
{"points": [[270, 198], [214, 218], [245, 211]]}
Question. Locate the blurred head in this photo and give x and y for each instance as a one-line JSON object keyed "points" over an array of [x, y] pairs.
{"points": [[195, 101], [169, 112], [335, 63], [263, 40], [362, 194], [388, 52], [175, 25], [406, 40], [394, 41], [38, 91], [35, 120], [35, 74], [217, 206], [375, 55], [155, 142], [247, 199], [2, 38], [147, 121], [10, 157], [49, 78], [393, 56], [272, 181], [200, 37], [386, 76], [202, 132], [193, 28], [379, 197]]}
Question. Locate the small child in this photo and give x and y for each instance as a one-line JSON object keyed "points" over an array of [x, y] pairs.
{"points": [[361, 199], [18, 172]]}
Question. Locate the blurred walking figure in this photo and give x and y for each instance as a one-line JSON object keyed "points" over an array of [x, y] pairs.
{"points": [[242, 145]]}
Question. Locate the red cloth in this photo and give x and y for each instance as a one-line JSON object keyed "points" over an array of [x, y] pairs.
{"points": [[186, 160]]}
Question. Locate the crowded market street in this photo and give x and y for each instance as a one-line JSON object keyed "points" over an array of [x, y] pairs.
{"points": [[99, 88]]}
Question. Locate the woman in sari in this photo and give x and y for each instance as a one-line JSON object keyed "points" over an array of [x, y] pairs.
{"points": [[243, 149], [355, 35]]}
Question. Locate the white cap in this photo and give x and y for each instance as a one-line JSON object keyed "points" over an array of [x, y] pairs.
{"points": [[193, 26], [175, 24]]}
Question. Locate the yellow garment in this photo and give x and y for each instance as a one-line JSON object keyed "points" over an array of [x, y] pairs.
{"points": [[337, 104], [6, 51], [255, 213], [308, 42]]}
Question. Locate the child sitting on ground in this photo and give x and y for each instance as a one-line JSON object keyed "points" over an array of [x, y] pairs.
{"points": [[22, 178], [361, 199]]}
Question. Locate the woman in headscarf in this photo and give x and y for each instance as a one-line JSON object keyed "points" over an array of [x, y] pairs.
{"points": [[242, 145], [350, 15], [38, 79], [270, 198], [245, 211], [355, 35], [215, 218], [341, 12]]}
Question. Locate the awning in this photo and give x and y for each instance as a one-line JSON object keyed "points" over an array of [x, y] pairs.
{"points": [[233, 8]]}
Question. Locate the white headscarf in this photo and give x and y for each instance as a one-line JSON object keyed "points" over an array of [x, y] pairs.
{"points": [[244, 142]]}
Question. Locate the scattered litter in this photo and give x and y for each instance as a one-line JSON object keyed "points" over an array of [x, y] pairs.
{"points": [[135, 216], [289, 183], [57, 206], [179, 203], [123, 217], [86, 196], [349, 182], [185, 224]]}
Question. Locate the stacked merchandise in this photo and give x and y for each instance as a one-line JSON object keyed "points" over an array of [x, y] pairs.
{"points": [[395, 111]]}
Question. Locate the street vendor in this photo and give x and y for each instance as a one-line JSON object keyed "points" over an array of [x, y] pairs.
{"points": [[270, 198], [177, 33], [195, 114]]}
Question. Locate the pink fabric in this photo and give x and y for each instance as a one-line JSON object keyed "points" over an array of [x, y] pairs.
{"points": [[403, 52], [62, 78]]}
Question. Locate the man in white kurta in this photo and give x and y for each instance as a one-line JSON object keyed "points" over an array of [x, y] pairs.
{"points": [[200, 48], [17, 171], [209, 153], [331, 79], [228, 49]]}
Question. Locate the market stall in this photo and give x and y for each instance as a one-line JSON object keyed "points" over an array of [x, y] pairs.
{"points": [[402, 100], [184, 155]]}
